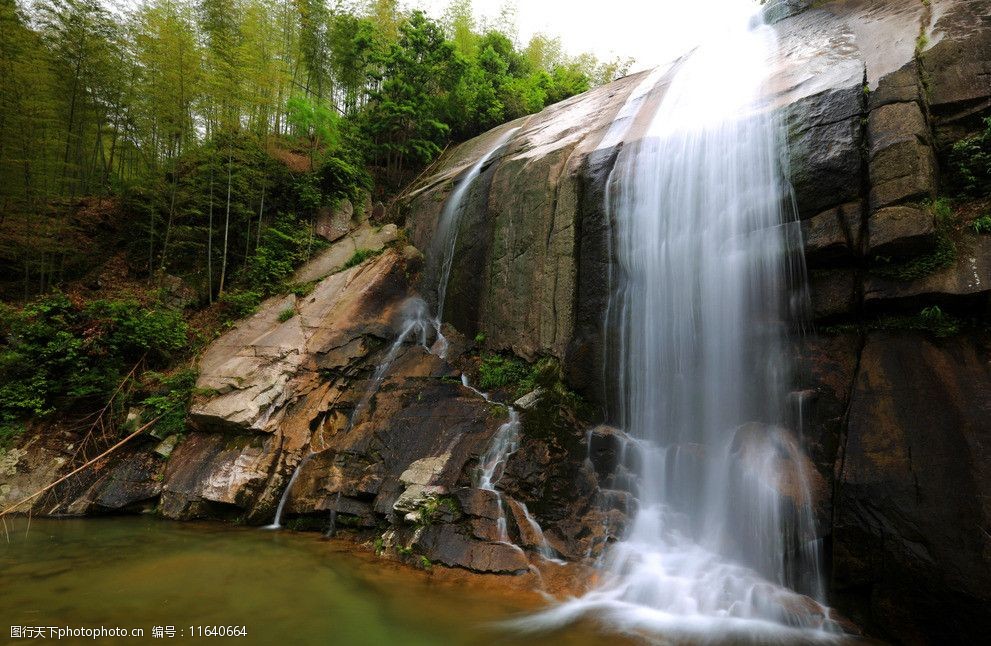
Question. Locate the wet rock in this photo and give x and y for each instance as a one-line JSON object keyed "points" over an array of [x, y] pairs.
{"points": [[833, 292], [131, 482], [957, 67], [482, 503], [446, 544], [529, 400], [902, 162], [914, 487], [901, 231], [824, 143], [778, 10], [832, 237], [208, 472], [966, 281]]}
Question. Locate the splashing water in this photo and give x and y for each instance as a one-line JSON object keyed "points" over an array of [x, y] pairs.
{"points": [[698, 320]]}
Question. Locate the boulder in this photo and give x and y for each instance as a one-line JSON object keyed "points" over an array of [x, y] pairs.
{"points": [[332, 224]]}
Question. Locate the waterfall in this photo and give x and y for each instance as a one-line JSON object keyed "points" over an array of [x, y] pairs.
{"points": [[445, 240], [415, 318], [414, 322], [723, 543]]}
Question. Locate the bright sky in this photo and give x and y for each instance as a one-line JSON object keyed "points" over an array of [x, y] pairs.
{"points": [[650, 31]]}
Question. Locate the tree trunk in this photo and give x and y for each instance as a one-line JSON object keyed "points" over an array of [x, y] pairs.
{"points": [[227, 226]]}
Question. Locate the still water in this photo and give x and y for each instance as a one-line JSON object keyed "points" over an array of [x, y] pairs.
{"points": [[283, 587]]}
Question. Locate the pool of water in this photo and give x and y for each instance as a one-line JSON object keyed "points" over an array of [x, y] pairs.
{"points": [[282, 587]]}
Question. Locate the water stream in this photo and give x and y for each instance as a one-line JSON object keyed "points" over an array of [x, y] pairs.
{"points": [[445, 240], [723, 543], [414, 322]]}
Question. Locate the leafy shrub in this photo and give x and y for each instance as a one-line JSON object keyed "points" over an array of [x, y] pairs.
{"points": [[241, 303], [283, 247], [982, 224], [287, 314], [169, 401], [970, 161], [54, 351]]}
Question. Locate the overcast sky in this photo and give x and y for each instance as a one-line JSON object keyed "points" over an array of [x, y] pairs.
{"points": [[650, 31]]}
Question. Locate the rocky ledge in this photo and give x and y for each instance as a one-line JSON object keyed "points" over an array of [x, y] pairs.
{"points": [[897, 405]]}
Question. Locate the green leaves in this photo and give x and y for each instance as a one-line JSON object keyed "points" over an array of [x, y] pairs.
{"points": [[55, 352], [970, 160]]}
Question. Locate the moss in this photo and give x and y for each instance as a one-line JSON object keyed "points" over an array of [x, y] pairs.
{"points": [[360, 256], [302, 290], [497, 371], [942, 256], [438, 508]]}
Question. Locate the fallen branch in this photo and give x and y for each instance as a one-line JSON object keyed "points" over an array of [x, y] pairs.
{"points": [[75, 471]]}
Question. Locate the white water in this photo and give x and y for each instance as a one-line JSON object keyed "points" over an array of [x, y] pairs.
{"points": [[699, 320], [445, 239]]}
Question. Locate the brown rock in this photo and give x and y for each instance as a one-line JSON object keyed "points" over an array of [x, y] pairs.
{"points": [[832, 236], [445, 544], [833, 292], [902, 162], [901, 231], [914, 490]]}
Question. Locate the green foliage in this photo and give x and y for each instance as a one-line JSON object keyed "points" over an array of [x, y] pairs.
{"points": [[932, 320], [982, 224], [480, 338], [287, 314], [169, 399], [497, 371], [9, 431], [240, 304], [342, 179], [284, 246], [54, 352], [970, 161], [942, 256], [360, 256]]}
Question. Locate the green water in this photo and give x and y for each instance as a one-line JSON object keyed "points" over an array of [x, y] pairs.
{"points": [[281, 586]]}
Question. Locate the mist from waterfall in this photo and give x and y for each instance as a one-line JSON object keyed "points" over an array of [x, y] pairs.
{"points": [[723, 543]]}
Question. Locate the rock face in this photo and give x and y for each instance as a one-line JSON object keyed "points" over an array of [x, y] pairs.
{"points": [[871, 94], [913, 499]]}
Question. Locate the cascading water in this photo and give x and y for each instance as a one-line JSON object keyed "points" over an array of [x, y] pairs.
{"points": [[445, 240], [414, 322], [415, 312], [698, 322]]}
